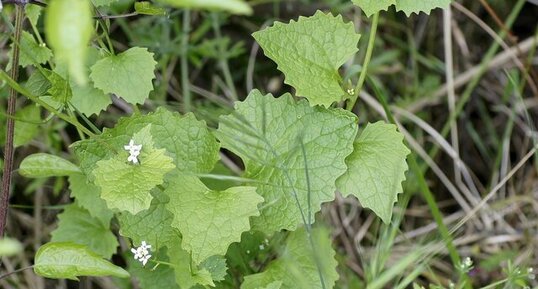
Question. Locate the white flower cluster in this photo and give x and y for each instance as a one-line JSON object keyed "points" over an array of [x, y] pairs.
{"points": [[142, 253], [134, 151], [466, 265]]}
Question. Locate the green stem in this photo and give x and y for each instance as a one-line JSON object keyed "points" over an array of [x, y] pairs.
{"points": [[185, 85], [367, 57], [223, 62], [15, 86]]}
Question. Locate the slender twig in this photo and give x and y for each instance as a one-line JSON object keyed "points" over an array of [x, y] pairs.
{"points": [[367, 57], [15, 272], [185, 85], [10, 127]]}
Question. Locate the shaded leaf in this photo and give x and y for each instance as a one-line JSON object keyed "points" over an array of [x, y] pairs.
{"points": [[78, 226], [46, 165]]}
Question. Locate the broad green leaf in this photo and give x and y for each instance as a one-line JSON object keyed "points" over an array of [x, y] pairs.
{"points": [[78, 226], [269, 135], [28, 127], [153, 225], [32, 53], [297, 266], [209, 221], [45, 165], [163, 277], [126, 186], [309, 52], [128, 75], [69, 28], [147, 8], [99, 3], [407, 6], [187, 140], [9, 247], [69, 260], [232, 6], [376, 169], [87, 196]]}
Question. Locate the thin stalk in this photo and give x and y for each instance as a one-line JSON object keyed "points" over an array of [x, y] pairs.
{"points": [[10, 126], [185, 85], [223, 62], [367, 57]]}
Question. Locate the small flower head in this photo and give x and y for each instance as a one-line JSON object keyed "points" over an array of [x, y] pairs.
{"points": [[530, 273], [466, 265], [134, 151], [142, 253]]}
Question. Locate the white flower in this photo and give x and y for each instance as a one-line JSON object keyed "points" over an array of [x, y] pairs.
{"points": [[134, 151], [142, 253]]}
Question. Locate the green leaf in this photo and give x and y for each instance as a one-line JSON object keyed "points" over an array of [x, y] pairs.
{"points": [[269, 135], [153, 225], [147, 8], [28, 127], [9, 247], [69, 28], [188, 141], [273, 285], [232, 6], [309, 52], [376, 169], [297, 266], [209, 221], [87, 196], [78, 226], [126, 186], [128, 75], [45, 165], [69, 260], [32, 53], [407, 6], [33, 12]]}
